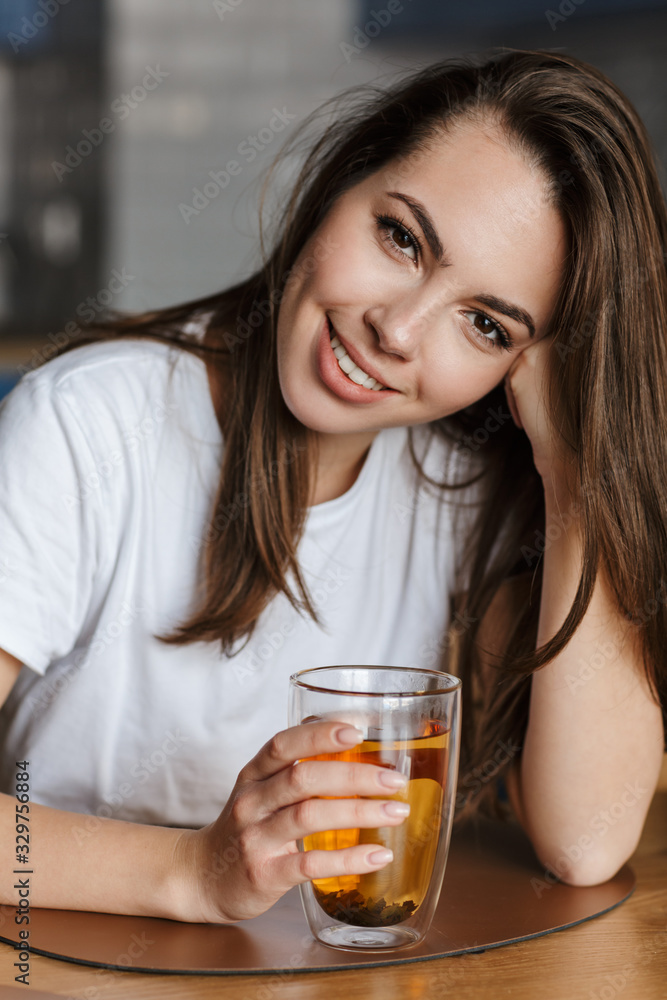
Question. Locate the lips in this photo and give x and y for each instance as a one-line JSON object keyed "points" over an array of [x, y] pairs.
{"points": [[336, 380], [358, 358]]}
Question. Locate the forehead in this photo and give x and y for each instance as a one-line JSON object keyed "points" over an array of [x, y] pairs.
{"points": [[492, 210]]}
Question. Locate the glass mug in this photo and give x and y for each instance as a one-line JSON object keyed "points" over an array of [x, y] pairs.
{"points": [[411, 722]]}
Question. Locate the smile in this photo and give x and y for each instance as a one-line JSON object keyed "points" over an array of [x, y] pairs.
{"points": [[348, 366]]}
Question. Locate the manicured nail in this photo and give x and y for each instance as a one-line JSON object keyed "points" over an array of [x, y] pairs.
{"points": [[392, 779], [380, 857], [396, 808], [349, 736]]}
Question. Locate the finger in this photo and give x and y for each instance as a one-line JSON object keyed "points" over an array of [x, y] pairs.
{"points": [[306, 865], [319, 815], [307, 740], [312, 778]]}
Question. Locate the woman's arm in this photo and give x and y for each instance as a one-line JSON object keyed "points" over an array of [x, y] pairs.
{"points": [[594, 743], [118, 868], [232, 869]]}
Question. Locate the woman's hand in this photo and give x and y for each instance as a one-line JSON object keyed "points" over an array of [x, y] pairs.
{"points": [[526, 391], [239, 865]]}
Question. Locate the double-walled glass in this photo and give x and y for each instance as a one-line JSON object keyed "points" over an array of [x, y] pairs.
{"points": [[411, 722]]}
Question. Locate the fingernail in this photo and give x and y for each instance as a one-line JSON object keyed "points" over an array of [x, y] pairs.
{"points": [[380, 857], [396, 808], [349, 736], [392, 779]]}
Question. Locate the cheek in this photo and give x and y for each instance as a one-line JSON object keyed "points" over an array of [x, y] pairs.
{"points": [[352, 270], [460, 379]]}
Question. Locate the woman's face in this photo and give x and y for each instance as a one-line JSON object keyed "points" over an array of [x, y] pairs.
{"points": [[435, 273]]}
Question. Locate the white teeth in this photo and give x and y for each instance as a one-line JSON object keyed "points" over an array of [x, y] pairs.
{"points": [[353, 372]]}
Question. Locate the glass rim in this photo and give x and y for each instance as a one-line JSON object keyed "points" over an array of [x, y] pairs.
{"points": [[455, 684]]}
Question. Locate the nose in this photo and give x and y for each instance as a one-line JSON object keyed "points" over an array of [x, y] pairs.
{"points": [[400, 326]]}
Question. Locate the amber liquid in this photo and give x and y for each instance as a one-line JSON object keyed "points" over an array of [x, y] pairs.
{"points": [[394, 893]]}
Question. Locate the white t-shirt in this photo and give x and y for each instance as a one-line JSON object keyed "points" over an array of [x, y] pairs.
{"points": [[110, 458]]}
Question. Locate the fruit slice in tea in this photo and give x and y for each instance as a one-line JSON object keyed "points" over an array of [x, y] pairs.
{"points": [[392, 894]]}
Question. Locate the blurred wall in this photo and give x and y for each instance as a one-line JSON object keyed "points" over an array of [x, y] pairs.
{"points": [[184, 104], [52, 201]]}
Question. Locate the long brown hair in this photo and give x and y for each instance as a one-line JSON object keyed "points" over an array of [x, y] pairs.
{"points": [[606, 387]]}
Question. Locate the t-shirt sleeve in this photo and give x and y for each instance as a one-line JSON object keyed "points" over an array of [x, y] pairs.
{"points": [[50, 524]]}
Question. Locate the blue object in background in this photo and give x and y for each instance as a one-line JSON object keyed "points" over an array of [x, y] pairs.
{"points": [[19, 27], [7, 382]]}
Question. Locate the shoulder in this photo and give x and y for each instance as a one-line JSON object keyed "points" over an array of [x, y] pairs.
{"points": [[122, 360], [115, 377], [118, 398]]}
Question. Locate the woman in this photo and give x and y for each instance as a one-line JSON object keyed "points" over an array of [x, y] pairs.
{"points": [[476, 238]]}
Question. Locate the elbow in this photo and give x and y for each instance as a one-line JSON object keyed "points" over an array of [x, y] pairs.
{"points": [[592, 872], [578, 867]]}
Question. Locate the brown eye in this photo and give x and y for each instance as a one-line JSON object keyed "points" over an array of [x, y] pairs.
{"points": [[484, 324], [488, 330], [402, 240]]}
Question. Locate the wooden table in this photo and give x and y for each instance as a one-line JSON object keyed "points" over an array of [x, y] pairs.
{"points": [[622, 954]]}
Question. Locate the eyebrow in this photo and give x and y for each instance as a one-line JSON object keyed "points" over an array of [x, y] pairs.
{"points": [[492, 301], [507, 309], [426, 222]]}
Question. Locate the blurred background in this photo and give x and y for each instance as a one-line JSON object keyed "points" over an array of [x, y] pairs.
{"points": [[118, 119]]}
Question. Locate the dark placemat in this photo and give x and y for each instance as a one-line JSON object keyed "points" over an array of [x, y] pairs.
{"points": [[495, 893]]}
